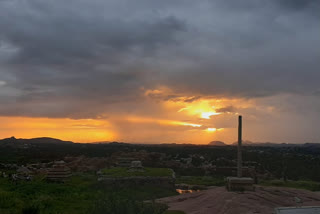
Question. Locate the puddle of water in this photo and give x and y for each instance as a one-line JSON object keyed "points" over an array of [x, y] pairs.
{"points": [[183, 191]]}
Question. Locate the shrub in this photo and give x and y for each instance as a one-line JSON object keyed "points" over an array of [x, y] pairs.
{"points": [[116, 204], [31, 210]]}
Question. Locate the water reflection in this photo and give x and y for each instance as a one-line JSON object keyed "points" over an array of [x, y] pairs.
{"points": [[183, 191]]}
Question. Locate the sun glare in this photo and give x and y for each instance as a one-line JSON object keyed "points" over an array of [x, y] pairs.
{"points": [[199, 108], [213, 129], [207, 115], [191, 124], [160, 121]]}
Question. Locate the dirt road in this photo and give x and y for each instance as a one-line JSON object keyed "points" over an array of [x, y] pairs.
{"points": [[217, 200]]}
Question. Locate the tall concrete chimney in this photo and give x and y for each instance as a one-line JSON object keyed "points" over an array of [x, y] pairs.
{"points": [[239, 170]]}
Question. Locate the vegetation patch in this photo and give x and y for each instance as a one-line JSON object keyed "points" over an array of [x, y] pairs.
{"points": [[308, 185], [78, 195], [124, 172]]}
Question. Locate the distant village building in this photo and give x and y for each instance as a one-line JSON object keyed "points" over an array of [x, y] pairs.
{"points": [[136, 166], [232, 171], [124, 162], [186, 160], [59, 172], [8, 166], [2, 174], [23, 173]]}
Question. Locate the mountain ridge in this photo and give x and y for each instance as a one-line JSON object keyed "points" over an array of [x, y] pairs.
{"points": [[48, 140]]}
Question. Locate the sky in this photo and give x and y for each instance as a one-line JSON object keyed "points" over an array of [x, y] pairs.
{"points": [[167, 71]]}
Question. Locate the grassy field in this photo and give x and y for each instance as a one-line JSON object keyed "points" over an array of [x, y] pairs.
{"points": [[201, 180], [124, 172], [78, 195], [308, 185]]}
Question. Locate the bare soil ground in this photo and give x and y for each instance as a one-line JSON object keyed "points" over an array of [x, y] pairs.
{"points": [[217, 200]]}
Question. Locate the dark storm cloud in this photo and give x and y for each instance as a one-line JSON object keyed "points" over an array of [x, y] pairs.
{"points": [[299, 5], [59, 58], [226, 109], [88, 39], [276, 5]]}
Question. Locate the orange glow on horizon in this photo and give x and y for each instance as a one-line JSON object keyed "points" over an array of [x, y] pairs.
{"points": [[182, 119], [160, 121], [82, 130]]}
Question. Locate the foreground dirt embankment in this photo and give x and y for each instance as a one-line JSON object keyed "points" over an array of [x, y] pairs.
{"points": [[217, 200]]}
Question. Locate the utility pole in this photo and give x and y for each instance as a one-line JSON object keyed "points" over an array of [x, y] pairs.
{"points": [[239, 182], [239, 170]]}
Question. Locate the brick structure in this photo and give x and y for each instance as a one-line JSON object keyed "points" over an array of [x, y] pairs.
{"points": [[59, 172]]}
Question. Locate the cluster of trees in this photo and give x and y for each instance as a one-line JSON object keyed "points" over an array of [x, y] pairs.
{"points": [[294, 162]]}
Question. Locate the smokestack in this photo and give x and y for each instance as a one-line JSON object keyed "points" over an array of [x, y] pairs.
{"points": [[239, 170]]}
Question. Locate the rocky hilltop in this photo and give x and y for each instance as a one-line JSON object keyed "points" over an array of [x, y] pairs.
{"points": [[217, 143]]}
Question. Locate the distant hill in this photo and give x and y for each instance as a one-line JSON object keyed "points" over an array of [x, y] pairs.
{"points": [[101, 142], [20, 142], [250, 143], [12, 141], [217, 143], [245, 143], [271, 144]]}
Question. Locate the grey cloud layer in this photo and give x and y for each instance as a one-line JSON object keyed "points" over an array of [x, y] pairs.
{"points": [[75, 59]]}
